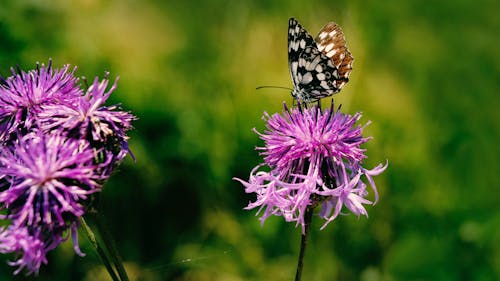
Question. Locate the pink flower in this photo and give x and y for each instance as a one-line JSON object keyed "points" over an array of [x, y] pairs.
{"points": [[314, 157]]}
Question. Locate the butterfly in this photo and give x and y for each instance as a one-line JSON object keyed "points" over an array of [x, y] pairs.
{"points": [[319, 67]]}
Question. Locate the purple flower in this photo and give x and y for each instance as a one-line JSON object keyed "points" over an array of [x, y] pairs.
{"points": [[46, 179], [88, 118], [45, 183], [24, 93], [313, 158], [58, 144], [29, 250]]}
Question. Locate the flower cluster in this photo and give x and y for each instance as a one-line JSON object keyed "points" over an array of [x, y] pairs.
{"points": [[58, 145], [313, 158]]}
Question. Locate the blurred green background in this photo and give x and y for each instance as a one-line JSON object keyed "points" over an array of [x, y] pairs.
{"points": [[426, 73]]}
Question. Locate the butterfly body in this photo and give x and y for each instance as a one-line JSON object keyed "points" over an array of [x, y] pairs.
{"points": [[318, 68]]}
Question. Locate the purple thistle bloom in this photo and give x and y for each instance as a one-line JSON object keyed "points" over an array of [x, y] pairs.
{"points": [[45, 183], [88, 118], [24, 93], [29, 250], [46, 178], [58, 144], [89, 115], [314, 158]]}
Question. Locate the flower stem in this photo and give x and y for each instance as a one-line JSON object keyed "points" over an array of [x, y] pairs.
{"points": [[99, 250], [303, 243], [110, 244]]}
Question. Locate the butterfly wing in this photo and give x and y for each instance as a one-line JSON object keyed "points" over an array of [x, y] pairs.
{"points": [[313, 73], [331, 42], [298, 41]]}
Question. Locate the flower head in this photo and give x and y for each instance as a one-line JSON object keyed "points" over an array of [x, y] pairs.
{"points": [[46, 179], [24, 93], [58, 144], [314, 158], [308, 132], [88, 118]]}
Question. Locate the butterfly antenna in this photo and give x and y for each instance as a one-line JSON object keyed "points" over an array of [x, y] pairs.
{"points": [[276, 87]]}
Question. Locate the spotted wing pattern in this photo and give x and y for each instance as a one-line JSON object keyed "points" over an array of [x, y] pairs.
{"points": [[319, 68]]}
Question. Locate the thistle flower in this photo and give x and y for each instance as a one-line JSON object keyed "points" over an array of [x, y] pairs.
{"points": [[29, 250], [24, 93], [313, 158], [46, 178], [58, 144], [46, 182], [103, 126], [89, 117]]}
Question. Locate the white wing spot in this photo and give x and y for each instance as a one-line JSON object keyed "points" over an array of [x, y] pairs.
{"points": [[312, 65], [302, 44], [307, 78], [302, 62], [320, 76], [329, 47], [331, 53], [319, 68], [294, 66]]}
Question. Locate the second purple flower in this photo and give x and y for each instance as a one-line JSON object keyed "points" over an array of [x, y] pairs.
{"points": [[313, 158]]}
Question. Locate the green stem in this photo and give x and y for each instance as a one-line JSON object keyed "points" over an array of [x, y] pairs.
{"points": [[303, 243], [109, 242], [99, 250]]}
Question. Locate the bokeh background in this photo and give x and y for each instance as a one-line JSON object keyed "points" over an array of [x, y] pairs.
{"points": [[426, 73]]}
